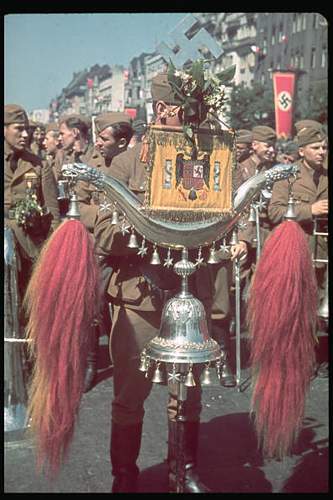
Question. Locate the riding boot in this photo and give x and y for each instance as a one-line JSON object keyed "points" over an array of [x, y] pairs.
{"points": [[124, 450], [91, 369], [191, 435]]}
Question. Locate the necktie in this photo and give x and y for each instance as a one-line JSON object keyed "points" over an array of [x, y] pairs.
{"points": [[77, 158], [316, 176], [13, 163]]}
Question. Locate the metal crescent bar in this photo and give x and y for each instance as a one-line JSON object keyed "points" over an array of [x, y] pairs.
{"points": [[178, 234]]}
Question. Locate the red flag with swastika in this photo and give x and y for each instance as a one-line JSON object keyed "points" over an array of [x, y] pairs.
{"points": [[284, 85]]}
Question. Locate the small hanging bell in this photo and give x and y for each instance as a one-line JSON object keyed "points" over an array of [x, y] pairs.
{"points": [[115, 218], [206, 377], [155, 259], [212, 259], [132, 243], [290, 213], [158, 374], [234, 238], [189, 380], [252, 214], [73, 211]]}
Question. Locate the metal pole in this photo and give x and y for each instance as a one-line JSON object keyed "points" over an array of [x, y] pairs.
{"points": [[237, 321], [180, 436], [258, 252]]}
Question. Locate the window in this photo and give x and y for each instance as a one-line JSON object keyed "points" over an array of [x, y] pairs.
{"points": [[315, 21], [301, 61], [294, 23], [313, 57], [281, 33], [324, 57], [298, 22], [273, 35], [263, 79], [264, 46], [303, 22]]}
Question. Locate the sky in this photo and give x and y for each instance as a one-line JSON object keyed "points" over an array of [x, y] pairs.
{"points": [[42, 51]]}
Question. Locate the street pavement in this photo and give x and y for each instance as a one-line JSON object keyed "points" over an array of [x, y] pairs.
{"points": [[229, 460]]}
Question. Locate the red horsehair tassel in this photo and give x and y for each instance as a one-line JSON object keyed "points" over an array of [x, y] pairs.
{"points": [[61, 302], [281, 316]]}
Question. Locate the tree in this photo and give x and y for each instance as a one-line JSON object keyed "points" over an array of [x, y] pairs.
{"points": [[315, 106], [250, 106]]}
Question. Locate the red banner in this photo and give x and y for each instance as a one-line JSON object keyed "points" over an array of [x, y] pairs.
{"points": [[131, 112], [284, 86]]}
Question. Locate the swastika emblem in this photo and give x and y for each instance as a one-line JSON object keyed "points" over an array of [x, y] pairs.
{"points": [[284, 100], [187, 50]]}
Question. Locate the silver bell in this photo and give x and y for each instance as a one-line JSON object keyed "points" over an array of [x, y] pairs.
{"points": [[252, 214], [115, 218], [212, 259], [290, 213], [73, 211], [158, 375], [155, 259], [234, 238], [132, 243], [189, 380], [206, 380]]}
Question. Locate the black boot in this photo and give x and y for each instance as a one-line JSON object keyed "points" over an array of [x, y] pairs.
{"points": [[191, 436], [124, 451], [91, 369]]}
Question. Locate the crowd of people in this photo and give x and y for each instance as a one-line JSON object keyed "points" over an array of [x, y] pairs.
{"points": [[131, 309]]}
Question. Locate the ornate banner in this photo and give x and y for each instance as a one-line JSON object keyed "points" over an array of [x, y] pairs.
{"points": [[284, 84], [185, 184]]}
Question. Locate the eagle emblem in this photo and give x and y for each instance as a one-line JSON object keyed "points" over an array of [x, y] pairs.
{"points": [[192, 177]]}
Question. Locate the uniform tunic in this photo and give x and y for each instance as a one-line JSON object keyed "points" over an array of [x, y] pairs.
{"points": [[305, 193]]}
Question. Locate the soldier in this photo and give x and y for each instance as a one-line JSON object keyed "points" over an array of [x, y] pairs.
{"points": [[37, 139], [135, 290], [288, 152], [30, 203], [51, 143], [19, 163], [139, 128], [263, 146], [310, 191], [244, 140], [114, 131]]}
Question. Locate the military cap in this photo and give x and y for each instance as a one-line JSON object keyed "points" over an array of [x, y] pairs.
{"points": [[263, 133], [310, 135], [139, 126], [75, 117], [307, 123], [15, 114], [108, 119], [52, 127], [244, 136], [290, 147], [161, 90]]}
